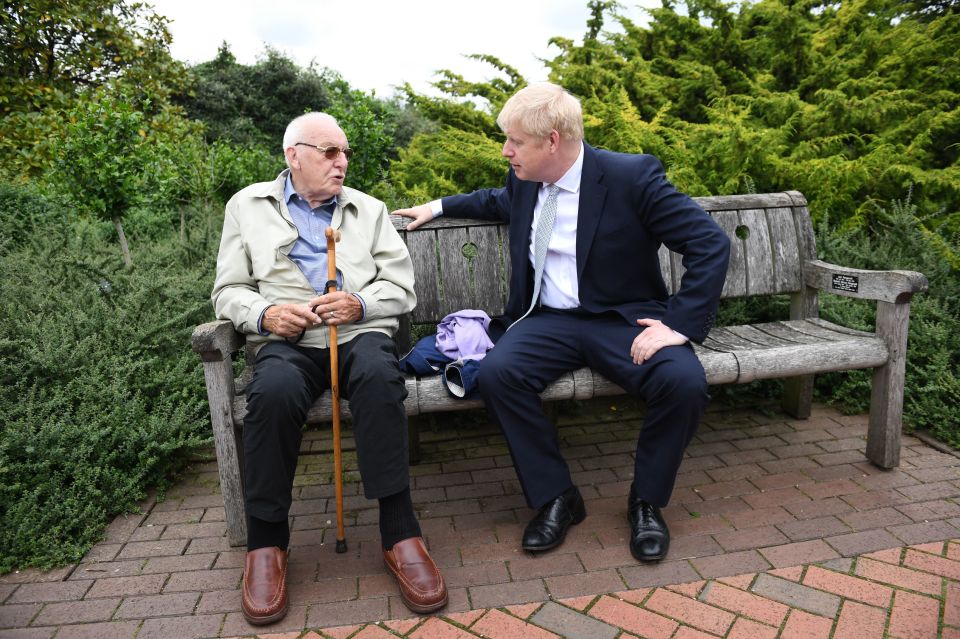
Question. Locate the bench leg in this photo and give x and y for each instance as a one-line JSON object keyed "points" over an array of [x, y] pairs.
{"points": [[219, 378], [798, 391], [231, 486], [797, 396], [886, 396]]}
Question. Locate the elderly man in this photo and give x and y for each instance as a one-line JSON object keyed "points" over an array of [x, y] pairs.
{"points": [[271, 272], [586, 290]]}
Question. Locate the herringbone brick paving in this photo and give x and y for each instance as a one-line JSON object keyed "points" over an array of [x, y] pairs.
{"points": [[780, 529]]}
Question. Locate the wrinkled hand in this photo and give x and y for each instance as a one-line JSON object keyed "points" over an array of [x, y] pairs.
{"points": [[287, 320], [420, 214], [651, 339], [338, 307]]}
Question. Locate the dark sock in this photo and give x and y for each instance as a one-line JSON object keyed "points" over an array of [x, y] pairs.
{"points": [[397, 519], [263, 534]]}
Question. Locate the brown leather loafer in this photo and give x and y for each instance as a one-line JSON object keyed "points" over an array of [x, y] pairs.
{"points": [[265, 586], [421, 584]]}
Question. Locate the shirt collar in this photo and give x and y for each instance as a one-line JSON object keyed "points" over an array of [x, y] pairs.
{"points": [[289, 192], [571, 179]]}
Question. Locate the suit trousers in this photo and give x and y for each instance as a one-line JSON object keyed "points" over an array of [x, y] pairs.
{"points": [[548, 343], [286, 381]]}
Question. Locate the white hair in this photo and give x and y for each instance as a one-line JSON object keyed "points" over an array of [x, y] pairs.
{"points": [[295, 130]]}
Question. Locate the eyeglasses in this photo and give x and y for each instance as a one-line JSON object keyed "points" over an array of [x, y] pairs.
{"points": [[329, 152]]}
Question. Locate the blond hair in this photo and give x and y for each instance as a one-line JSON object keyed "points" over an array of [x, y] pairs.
{"points": [[542, 107]]}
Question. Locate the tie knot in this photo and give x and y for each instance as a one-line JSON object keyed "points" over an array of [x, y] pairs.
{"points": [[552, 190]]}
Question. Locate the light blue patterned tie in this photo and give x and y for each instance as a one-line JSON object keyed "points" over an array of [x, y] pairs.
{"points": [[541, 239]]}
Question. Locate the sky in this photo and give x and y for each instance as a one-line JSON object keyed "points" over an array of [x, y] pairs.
{"points": [[376, 45]]}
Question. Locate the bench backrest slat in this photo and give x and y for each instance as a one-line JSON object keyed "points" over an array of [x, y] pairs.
{"points": [[462, 264]]}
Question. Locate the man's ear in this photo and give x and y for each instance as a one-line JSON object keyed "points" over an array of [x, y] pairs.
{"points": [[291, 154], [554, 138]]}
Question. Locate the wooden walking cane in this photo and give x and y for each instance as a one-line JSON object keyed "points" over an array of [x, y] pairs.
{"points": [[332, 238]]}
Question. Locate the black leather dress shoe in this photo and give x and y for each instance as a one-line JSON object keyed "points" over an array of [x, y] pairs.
{"points": [[549, 528], [649, 535]]}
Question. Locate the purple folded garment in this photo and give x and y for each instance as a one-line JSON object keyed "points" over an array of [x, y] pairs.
{"points": [[463, 335]]}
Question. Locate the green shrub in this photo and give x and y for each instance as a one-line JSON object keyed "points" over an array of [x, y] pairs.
{"points": [[24, 210], [100, 393], [237, 167]]}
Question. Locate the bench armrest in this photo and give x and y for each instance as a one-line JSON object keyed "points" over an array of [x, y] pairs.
{"points": [[216, 340], [896, 287]]}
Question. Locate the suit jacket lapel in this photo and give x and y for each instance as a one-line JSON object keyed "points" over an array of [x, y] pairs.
{"points": [[521, 217], [592, 196], [521, 226]]}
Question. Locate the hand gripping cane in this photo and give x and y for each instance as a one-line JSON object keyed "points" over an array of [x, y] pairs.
{"points": [[332, 238]]}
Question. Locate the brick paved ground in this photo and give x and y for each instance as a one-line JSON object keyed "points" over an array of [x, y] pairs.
{"points": [[780, 528]]}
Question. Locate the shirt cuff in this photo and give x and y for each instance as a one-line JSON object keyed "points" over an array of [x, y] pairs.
{"points": [[363, 306], [679, 334], [436, 207], [260, 322]]}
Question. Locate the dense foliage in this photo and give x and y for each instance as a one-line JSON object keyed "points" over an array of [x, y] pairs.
{"points": [[850, 104], [101, 397], [250, 106], [856, 104], [51, 51]]}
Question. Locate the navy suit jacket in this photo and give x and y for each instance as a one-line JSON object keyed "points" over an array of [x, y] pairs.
{"points": [[627, 210]]}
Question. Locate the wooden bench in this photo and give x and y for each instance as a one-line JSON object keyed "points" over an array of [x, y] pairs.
{"points": [[463, 264]]}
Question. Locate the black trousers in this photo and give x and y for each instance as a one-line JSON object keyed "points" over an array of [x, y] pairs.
{"points": [[540, 348], [286, 381]]}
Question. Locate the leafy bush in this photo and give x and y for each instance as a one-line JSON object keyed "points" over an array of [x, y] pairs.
{"points": [[442, 163], [24, 210], [53, 51], [103, 158], [250, 105], [100, 393], [237, 167]]}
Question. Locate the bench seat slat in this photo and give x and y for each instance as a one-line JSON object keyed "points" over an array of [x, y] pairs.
{"points": [[819, 328], [730, 340], [784, 331], [824, 348], [758, 337]]}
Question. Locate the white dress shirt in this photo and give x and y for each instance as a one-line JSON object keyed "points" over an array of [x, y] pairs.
{"points": [[560, 288]]}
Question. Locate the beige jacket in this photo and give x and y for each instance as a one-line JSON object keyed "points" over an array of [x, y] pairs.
{"points": [[254, 270]]}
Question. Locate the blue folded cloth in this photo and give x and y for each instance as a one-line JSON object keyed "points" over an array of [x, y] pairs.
{"points": [[424, 358], [460, 376]]}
